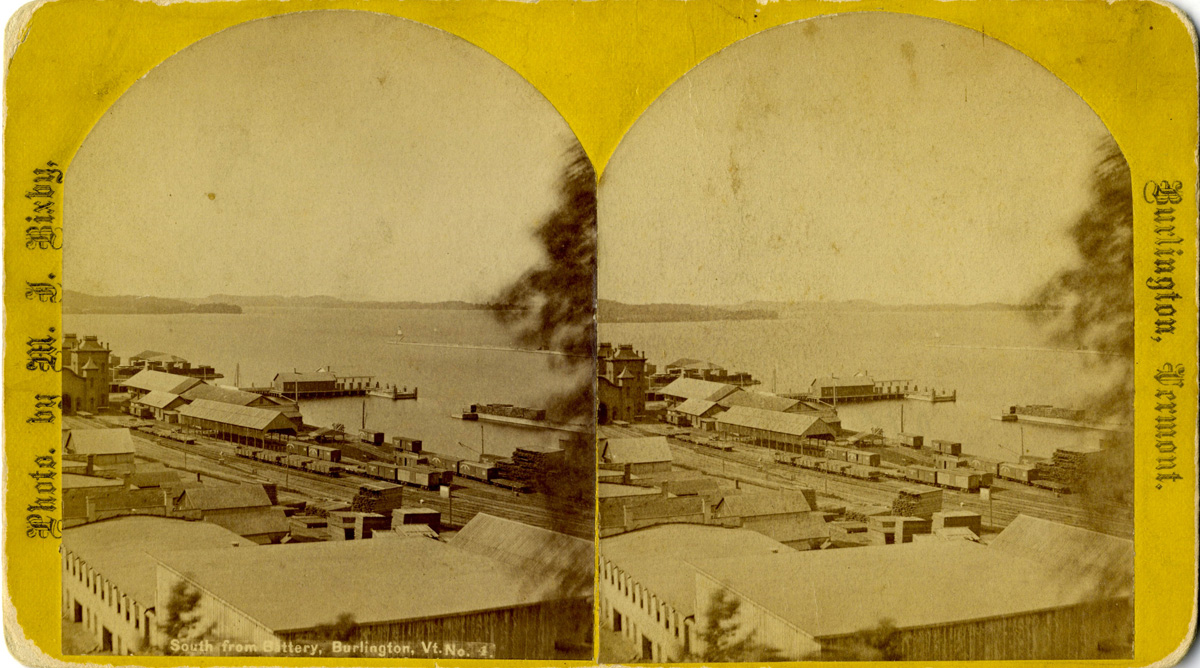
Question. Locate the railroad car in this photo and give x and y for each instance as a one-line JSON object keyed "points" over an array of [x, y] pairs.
{"points": [[324, 453], [322, 467], [946, 447], [985, 477], [960, 480], [403, 458], [923, 474], [440, 461], [984, 465], [1053, 486], [862, 472], [914, 441], [863, 457], [246, 451], [834, 452], [417, 476], [298, 462], [1026, 473], [382, 471], [477, 470], [405, 444]]}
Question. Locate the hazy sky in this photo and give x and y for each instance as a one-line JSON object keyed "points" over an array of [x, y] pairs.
{"points": [[863, 156], [341, 153]]}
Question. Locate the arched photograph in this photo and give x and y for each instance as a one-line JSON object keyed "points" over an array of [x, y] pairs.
{"points": [[865, 357], [327, 358]]}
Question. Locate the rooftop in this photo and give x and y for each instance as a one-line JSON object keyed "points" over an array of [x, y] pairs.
{"points": [[75, 481], [928, 582], [221, 394], [760, 400], [795, 424], [658, 556], [118, 548], [765, 503], [612, 490], [98, 442], [556, 556], [694, 388], [224, 497], [695, 406], [240, 416], [150, 381], [311, 583], [637, 450], [159, 399]]}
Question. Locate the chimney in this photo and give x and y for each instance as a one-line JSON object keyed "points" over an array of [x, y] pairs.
{"points": [[626, 475]]}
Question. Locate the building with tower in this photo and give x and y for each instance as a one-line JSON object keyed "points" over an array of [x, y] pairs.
{"points": [[622, 383], [86, 374]]}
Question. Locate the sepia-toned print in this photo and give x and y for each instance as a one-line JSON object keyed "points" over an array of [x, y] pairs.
{"points": [[865, 364], [327, 355]]}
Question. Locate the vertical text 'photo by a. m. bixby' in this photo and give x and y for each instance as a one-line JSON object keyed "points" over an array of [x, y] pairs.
{"points": [[865, 358], [328, 355]]}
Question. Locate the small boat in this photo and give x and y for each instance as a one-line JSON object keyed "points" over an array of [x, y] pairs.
{"points": [[400, 333]]}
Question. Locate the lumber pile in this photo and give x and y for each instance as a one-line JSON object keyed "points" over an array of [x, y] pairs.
{"points": [[920, 502], [1066, 467]]}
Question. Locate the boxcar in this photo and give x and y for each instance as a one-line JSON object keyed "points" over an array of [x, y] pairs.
{"points": [[383, 471], [913, 441], [863, 457], [406, 444], [923, 474], [862, 472], [984, 465], [961, 480], [404, 458], [325, 453], [834, 452], [985, 477], [418, 476], [947, 447], [298, 462], [246, 451], [1026, 473], [477, 470], [332, 469], [448, 462]]}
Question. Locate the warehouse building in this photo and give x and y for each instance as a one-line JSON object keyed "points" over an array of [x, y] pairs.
{"points": [[763, 401], [408, 590], [108, 578], [147, 381], [682, 389], [648, 587], [694, 413], [640, 455], [157, 405], [782, 431], [101, 451], [243, 509], [266, 428], [1040, 591]]}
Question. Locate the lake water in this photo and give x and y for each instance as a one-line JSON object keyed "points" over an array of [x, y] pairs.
{"points": [[993, 360], [264, 341]]}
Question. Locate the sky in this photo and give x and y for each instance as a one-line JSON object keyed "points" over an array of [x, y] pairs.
{"points": [[871, 156], [319, 153]]}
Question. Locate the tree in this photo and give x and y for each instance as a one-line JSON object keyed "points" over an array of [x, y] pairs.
{"points": [[722, 637], [1096, 300], [878, 643], [181, 619]]}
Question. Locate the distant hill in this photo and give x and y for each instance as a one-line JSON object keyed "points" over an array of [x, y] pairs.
{"points": [[79, 302], [611, 311]]}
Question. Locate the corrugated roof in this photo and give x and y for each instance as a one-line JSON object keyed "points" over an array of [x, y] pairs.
{"points": [[810, 590], [760, 400], [159, 399], [150, 381], [638, 450], [222, 394], [556, 556], [657, 556], [697, 407], [223, 497], [794, 424], [693, 388], [99, 442], [378, 581], [240, 416], [117, 548], [765, 503]]}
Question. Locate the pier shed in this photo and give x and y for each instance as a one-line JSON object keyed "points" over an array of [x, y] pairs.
{"points": [[147, 381], [783, 431], [241, 424]]}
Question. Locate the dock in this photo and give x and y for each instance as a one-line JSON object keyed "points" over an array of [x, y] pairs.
{"points": [[933, 396], [393, 392], [522, 422], [1063, 422]]}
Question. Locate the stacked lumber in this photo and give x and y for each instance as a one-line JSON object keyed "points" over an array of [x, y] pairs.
{"points": [[381, 500], [920, 502], [1066, 467]]}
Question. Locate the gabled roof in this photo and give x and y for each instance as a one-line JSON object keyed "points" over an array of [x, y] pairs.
{"points": [[224, 497], [695, 407], [757, 504], [149, 381], [256, 522], [557, 556], [160, 399], [118, 547], [657, 557], [240, 416], [162, 478], [808, 526], [637, 450], [794, 424], [1070, 552], [760, 400], [304, 585], [694, 388], [222, 394], [76, 481], [969, 582], [99, 442]]}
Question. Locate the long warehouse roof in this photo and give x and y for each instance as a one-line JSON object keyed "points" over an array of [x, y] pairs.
{"points": [[796, 424], [238, 416]]}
